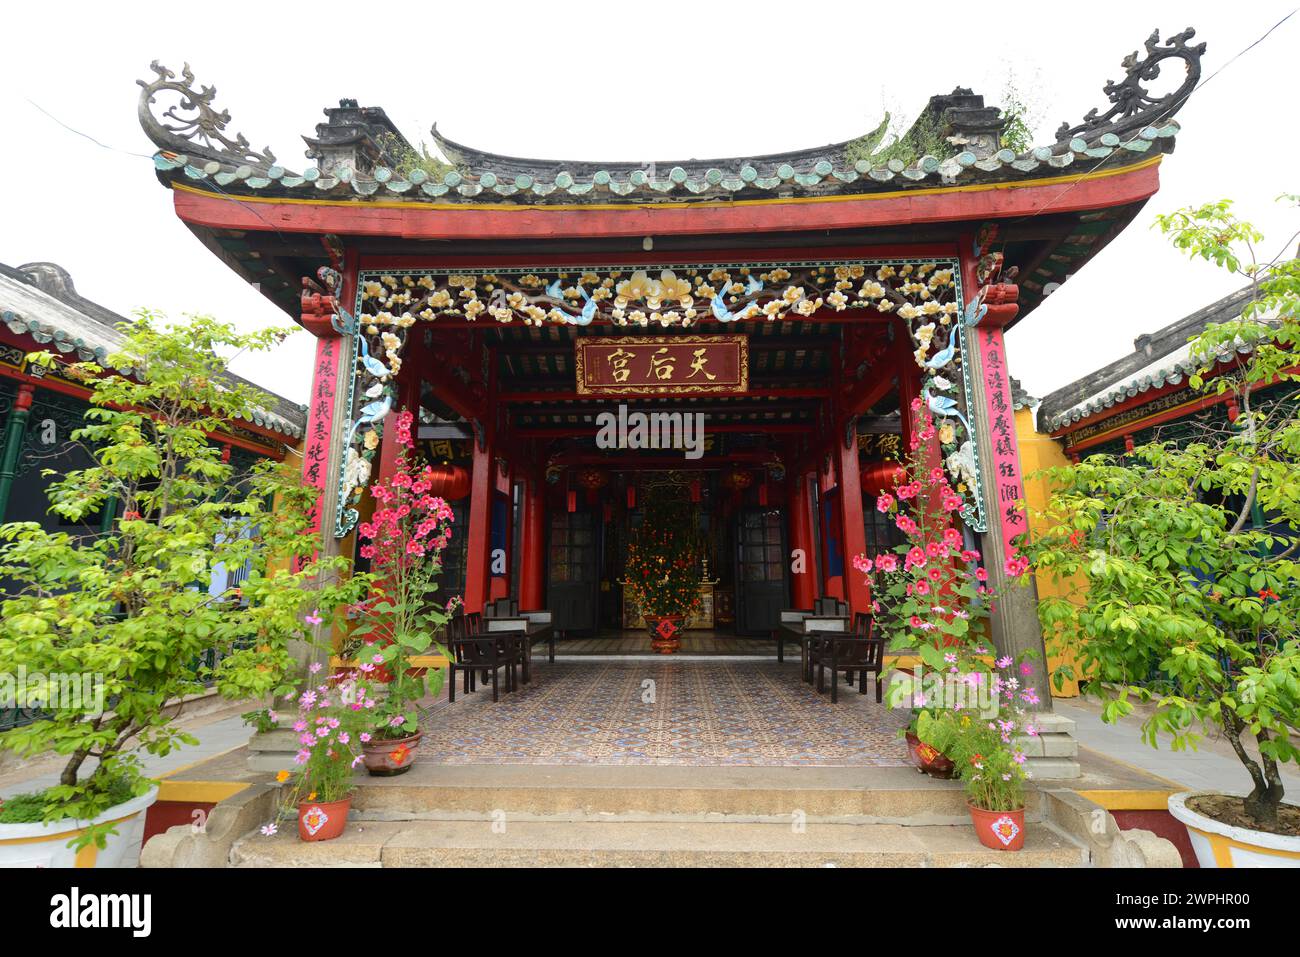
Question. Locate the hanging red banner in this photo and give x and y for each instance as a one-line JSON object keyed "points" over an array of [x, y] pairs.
{"points": [[662, 365]]}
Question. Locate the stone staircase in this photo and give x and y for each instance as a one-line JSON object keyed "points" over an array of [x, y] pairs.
{"points": [[503, 816]]}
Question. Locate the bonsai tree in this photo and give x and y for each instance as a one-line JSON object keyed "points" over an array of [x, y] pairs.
{"points": [[135, 606], [661, 569], [405, 539], [1182, 556]]}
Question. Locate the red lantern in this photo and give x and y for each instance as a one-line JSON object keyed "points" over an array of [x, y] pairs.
{"points": [[878, 477], [572, 500], [631, 496], [448, 481], [762, 493], [695, 490]]}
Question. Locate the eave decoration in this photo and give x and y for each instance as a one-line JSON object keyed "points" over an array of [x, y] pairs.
{"points": [[1133, 108], [925, 294]]}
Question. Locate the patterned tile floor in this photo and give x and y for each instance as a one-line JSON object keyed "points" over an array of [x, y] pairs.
{"points": [[693, 643], [704, 713]]}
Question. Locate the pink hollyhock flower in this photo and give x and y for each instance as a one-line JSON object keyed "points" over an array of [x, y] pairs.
{"points": [[935, 574], [915, 558], [885, 502], [921, 588], [951, 536], [887, 562], [982, 574]]}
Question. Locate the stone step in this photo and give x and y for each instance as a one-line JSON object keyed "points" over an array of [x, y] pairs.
{"points": [[653, 844], [647, 793]]}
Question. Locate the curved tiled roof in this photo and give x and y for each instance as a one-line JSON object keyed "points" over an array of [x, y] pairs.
{"points": [[361, 156], [805, 173]]}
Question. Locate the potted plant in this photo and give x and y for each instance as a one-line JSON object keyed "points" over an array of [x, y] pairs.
{"points": [[1180, 557], [333, 725], [404, 540], [930, 598], [661, 573], [140, 622]]}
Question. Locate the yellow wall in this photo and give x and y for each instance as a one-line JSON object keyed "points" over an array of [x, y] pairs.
{"points": [[1038, 451]]}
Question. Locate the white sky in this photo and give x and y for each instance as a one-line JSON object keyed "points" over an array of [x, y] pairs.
{"points": [[609, 81]]}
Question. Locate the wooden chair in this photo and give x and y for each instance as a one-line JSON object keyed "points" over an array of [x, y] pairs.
{"points": [[477, 652], [860, 652]]}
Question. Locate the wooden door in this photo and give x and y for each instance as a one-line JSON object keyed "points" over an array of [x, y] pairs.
{"points": [[572, 571], [761, 587]]}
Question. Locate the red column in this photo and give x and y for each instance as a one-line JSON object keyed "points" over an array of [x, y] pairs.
{"points": [[326, 386], [482, 483], [803, 586], [533, 547], [853, 525]]}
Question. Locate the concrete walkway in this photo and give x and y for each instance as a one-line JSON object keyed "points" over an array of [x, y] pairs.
{"points": [[1213, 766], [217, 732]]}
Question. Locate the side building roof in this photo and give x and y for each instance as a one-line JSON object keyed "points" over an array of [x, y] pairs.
{"points": [[40, 300]]}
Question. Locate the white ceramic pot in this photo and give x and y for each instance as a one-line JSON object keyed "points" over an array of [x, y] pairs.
{"points": [[46, 845], [1222, 845]]}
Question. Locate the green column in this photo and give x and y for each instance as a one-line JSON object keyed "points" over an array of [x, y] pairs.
{"points": [[15, 433]]}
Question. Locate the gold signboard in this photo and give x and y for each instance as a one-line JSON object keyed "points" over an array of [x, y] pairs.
{"points": [[663, 365]]}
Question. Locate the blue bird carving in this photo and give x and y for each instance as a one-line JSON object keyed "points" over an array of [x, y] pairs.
{"points": [[944, 356], [944, 406], [975, 311], [370, 413], [720, 310], [373, 365], [554, 291], [755, 286], [588, 310], [348, 324]]}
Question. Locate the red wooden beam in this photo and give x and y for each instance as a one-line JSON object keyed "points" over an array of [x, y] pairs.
{"points": [[421, 221], [753, 393]]}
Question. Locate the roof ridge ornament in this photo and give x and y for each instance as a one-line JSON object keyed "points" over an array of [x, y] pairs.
{"points": [[1132, 106], [201, 134]]}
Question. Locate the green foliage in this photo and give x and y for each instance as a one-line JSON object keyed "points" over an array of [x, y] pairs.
{"points": [[407, 159], [661, 569], [1177, 596], [133, 605]]}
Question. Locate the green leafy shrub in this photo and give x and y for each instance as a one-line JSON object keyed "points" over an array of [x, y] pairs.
{"points": [[133, 606]]}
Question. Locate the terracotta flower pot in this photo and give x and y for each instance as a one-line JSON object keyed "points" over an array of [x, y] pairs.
{"points": [[390, 756], [323, 820], [665, 632], [1000, 830], [928, 760]]}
